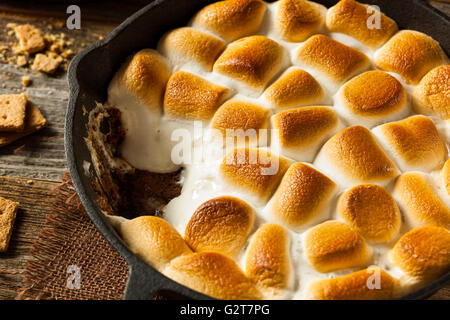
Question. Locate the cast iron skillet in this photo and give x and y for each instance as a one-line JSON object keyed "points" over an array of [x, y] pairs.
{"points": [[91, 71]]}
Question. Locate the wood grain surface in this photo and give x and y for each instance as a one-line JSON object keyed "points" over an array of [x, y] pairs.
{"points": [[32, 167]]}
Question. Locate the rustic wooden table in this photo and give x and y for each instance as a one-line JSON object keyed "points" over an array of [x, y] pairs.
{"points": [[33, 166]]}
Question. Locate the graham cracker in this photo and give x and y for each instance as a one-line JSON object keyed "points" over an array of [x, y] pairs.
{"points": [[12, 112], [8, 210], [30, 39], [47, 63], [34, 121]]}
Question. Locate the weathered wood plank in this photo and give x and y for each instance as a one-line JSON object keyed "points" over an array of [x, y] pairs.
{"points": [[443, 5], [91, 10], [35, 198]]}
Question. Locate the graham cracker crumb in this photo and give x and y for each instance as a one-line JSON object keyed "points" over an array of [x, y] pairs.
{"points": [[8, 210], [25, 52], [47, 63], [26, 81], [30, 39], [21, 61], [59, 24], [67, 53]]}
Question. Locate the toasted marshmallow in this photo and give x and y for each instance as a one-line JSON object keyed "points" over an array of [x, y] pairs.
{"points": [[296, 20], [191, 97], [302, 197], [213, 274], [420, 203], [231, 19], [267, 261], [221, 224], [254, 171], [141, 79], [299, 133], [242, 120], [330, 59], [334, 245], [251, 61], [353, 156], [356, 286], [370, 210], [445, 175], [413, 143], [190, 46], [154, 240], [423, 253], [294, 88], [372, 98], [355, 19], [411, 54], [432, 95]]}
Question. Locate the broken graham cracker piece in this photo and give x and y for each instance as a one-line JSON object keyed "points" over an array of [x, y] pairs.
{"points": [[12, 112], [47, 63], [34, 121], [30, 39], [26, 81], [8, 210], [21, 61]]}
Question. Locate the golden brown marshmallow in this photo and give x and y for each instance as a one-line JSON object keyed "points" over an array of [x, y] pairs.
{"points": [[256, 171], [221, 224], [331, 58], [252, 61], [355, 286], [296, 20], [419, 202], [414, 143], [334, 245], [188, 96], [294, 88], [302, 196], [231, 19], [302, 131], [372, 98], [154, 240], [411, 54], [445, 173], [423, 253], [432, 95], [353, 18], [371, 210], [143, 78], [353, 156], [267, 260], [213, 274], [186, 45], [241, 118]]}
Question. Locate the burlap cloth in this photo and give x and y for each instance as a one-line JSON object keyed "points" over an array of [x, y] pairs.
{"points": [[70, 238]]}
